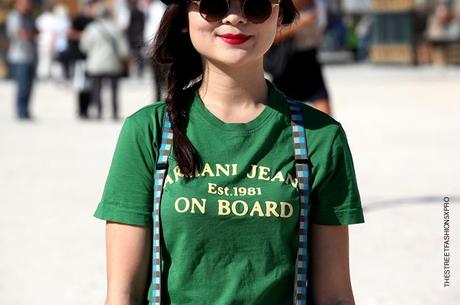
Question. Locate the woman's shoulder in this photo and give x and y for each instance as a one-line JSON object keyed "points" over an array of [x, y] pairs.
{"points": [[147, 117], [324, 134], [315, 120]]}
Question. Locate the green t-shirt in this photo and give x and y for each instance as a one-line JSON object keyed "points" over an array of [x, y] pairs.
{"points": [[229, 235]]}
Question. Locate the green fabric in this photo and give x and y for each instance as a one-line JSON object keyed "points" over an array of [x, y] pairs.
{"points": [[230, 234]]}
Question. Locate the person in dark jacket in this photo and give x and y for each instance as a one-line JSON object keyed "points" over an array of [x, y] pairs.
{"points": [[135, 34], [78, 58]]}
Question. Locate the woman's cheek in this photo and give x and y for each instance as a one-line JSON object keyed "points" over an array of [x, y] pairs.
{"points": [[201, 41], [200, 33]]}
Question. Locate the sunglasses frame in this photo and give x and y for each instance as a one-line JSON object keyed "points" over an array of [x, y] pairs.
{"points": [[273, 3]]}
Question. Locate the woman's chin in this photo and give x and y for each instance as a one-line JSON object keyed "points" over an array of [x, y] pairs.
{"points": [[235, 60]]}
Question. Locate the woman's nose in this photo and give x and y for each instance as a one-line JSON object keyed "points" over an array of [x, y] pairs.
{"points": [[235, 12]]}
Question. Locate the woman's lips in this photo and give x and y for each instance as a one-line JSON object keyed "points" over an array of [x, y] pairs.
{"points": [[234, 39]]}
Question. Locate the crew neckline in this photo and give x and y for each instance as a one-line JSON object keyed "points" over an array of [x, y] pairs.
{"points": [[248, 127]]}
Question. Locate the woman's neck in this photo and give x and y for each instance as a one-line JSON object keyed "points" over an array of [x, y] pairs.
{"points": [[232, 91]]}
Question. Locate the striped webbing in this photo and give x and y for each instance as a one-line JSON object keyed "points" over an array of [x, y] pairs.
{"points": [[302, 172], [165, 148], [302, 169]]}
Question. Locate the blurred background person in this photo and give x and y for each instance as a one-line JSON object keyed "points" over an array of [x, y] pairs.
{"points": [[22, 32], [46, 36], [62, 25], [302, 78], [107, 51], [3, 41], [155, 11], [78, 58], [443, 29], [364, 34], [135, 34]]}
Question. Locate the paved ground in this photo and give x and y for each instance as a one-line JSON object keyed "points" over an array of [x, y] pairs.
{"points": [[403, 127]]}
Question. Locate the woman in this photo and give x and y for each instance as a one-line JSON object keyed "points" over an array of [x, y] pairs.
{"points": [[306, 36], [230, 201], [107, 53]]}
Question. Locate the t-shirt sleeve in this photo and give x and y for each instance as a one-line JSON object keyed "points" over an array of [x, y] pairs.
{"points": [[128, 191], [335, 199]]}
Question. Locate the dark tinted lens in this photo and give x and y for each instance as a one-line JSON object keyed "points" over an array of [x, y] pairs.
{"points": [[257, 11], [213, 10]]}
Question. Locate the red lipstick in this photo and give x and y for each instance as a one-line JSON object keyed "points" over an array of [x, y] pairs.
{"points": [[234, 38]]}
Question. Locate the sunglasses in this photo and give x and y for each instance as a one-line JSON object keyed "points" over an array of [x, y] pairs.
{"points": [[255, 11]]}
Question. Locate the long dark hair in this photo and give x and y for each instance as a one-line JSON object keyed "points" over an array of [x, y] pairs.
{"points": [[173, 49]]}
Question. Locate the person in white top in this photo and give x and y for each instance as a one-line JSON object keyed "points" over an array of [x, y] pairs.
{"points": [[154, 12], [107, 52], [45, 42], [21, 31], [61, 26]]}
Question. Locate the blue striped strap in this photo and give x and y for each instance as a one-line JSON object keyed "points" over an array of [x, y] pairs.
{"points": [[302, 167], [161, 167]]}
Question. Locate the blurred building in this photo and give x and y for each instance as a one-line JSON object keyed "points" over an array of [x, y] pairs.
{"points": [[400, 31]]}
